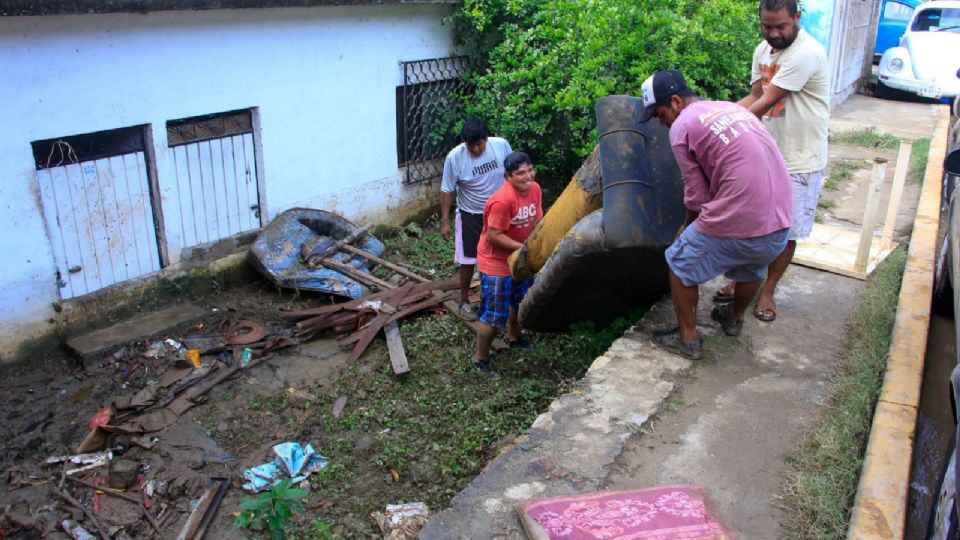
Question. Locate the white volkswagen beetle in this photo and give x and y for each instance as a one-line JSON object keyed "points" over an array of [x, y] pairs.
{"points": [[927, 62]]}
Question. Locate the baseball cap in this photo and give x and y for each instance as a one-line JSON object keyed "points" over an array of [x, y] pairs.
{"points": [[658, 88]]}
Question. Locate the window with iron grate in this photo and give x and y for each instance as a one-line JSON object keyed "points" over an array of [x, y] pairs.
{"points": [[430, 105]]}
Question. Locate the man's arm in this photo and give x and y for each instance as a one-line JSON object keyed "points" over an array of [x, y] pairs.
{"points": [[500, 240], [770, 97], [446, 202], [756, 92], [448, 186]]}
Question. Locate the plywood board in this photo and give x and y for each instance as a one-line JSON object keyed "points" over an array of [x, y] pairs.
{"points": [[834, 249]]}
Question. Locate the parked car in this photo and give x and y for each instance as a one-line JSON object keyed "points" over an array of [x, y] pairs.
{"points": [[894, 17], [945, 515], [926, 62]]}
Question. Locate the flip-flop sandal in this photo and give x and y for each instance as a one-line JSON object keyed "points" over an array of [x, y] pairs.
{"points": [[722, 297], [765, 315]]}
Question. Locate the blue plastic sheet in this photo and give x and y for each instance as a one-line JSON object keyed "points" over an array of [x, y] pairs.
{"points": [[276, 252], [292, 461]]}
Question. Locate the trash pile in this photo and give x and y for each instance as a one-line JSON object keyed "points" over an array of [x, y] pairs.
{"points": [[127, 479]]}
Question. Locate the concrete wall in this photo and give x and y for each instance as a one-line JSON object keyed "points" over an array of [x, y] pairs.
{"points": [[323, 78]]}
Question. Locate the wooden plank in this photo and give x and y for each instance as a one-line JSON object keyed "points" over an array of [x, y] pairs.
{"points": [[896, 192], [870, 214], [358, 275], [398, 357], [342, 244], [432, 301], [834, 249], [383, 262], [377, 323]]}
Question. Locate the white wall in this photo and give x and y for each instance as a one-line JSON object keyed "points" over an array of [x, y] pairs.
{"points": [[323, 78]]}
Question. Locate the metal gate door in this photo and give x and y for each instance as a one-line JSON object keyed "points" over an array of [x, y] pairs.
{"points": [[217, 183], [97, 209]]}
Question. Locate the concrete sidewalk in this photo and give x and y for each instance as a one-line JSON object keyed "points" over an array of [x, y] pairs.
{"points": [[642, 417]]}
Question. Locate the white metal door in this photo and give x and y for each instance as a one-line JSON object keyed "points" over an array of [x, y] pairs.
{"points": [[217, 188], [100, 221]]}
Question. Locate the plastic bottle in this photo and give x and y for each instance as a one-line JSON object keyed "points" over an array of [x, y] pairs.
{"points": [[245, 356]]}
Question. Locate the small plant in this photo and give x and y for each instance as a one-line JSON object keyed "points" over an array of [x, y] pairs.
{"points": [[868, 138], [918, 160], [271, 510], [841, 171], [826, 204], [321, 530]]}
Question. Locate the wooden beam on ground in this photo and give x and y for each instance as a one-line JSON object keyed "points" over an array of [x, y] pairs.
{"points": [[870, 214], [398, 357], [896, 192], [359, 275], [377, 323], [385, 263], [340, 244]]}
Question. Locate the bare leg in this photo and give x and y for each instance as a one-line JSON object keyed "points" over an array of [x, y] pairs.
{"points": [[774, 273], [685, 305], [485, 334], [513, 326], [465, 275], [743, 294]]}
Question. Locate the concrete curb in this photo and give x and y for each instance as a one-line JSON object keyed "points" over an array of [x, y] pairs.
{"points": [[880, 508]]}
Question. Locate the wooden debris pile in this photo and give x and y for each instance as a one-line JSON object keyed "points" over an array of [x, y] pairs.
{"points": [[399, 294]]}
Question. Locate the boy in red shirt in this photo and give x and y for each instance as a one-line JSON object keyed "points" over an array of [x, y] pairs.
{"points": [[508, 219]]}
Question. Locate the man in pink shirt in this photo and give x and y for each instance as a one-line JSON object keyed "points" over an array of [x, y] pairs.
{"points": [[738, 199]]}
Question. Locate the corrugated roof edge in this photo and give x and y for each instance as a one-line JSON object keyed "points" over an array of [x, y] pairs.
{"points": [[9, 8]]}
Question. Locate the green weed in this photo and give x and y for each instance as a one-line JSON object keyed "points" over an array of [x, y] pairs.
{"points": [[426, 251], [272, 510], [826, 204], [822, 482], [918, 160], [868, 138], [673, 404], [841, 171]]}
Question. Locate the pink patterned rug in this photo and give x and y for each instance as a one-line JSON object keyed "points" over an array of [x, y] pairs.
{"points": [[660, 513]]}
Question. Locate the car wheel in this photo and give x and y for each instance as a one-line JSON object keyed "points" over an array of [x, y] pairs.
{"points": [[942, 288], [943, 516]]}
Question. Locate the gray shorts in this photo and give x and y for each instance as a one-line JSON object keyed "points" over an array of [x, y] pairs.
{"points": [[696, 258], [806, 191]]}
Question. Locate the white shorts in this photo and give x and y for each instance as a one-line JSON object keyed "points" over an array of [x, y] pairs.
{"points": [[458, 256], [806, 191]]}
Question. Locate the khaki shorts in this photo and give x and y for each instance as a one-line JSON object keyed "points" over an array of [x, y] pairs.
{"points": [[806, 191]]}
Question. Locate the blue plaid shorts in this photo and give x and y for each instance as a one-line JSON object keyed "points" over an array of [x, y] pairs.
{"points": [[497, 296]]}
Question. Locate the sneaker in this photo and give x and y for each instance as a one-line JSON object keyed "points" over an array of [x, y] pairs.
{"points": [[485, 368], [671, 341], [731, 325], [468, 312]]}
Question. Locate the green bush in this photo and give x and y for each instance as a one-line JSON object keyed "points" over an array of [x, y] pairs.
{"points": [[550, 60]]}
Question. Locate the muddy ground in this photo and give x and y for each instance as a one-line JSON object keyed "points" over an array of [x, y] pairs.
{"points": [[420, 438]]}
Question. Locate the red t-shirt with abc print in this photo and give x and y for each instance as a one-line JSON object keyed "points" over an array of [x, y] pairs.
{"points": [[507, 210]]}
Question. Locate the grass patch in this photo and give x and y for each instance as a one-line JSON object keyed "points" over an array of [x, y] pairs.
{"points": [[826, 204], [426, 436], [918, 160], [825, 470], [841, 171], [868, 138]]}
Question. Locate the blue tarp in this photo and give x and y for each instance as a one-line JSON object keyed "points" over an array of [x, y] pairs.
{"points": [[276, 252]]}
